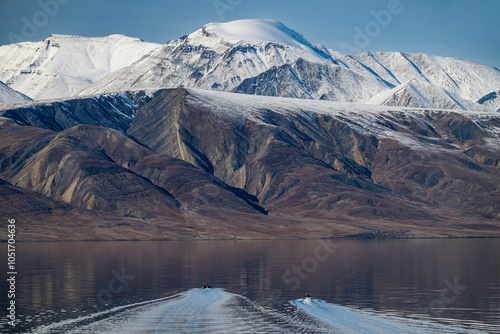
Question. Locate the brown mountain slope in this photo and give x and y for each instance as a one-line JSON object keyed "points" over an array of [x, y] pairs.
{"points": [[197, 164], [112, 182], [304, 162], [41, 218]]}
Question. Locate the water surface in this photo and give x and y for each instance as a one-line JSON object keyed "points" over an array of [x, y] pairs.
{"points": [[447, 282]]}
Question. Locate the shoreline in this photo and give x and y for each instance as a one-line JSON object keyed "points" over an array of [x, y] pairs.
{"points": [[267, 239]]}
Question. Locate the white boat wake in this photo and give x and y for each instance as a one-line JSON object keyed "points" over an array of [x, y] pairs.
{"points": [[218, 311], [340, 319]]}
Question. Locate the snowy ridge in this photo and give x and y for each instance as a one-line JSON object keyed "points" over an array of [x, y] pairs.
{"points": [[464, 78], [258, 31], [362, 118], [10, 96], [393, 97], [422, 94], [245, 105], [61, 66]]}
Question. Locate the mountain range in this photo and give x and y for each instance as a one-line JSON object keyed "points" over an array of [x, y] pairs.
{"points": [[245, 129], [260, 57]]}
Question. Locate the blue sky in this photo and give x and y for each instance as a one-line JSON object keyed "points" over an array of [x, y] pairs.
{"points": [[455, 28]]}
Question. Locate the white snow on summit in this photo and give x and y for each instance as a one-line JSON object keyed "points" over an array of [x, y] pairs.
{"points": [[257, 31], [218, 58], [220, 37]]}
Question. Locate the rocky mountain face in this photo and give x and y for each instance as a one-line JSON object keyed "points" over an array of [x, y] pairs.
{"points": [[492, 100], [114, 111], [190, 163]]}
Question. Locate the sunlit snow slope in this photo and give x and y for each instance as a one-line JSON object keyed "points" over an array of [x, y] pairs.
{"points": [[258, 31], [61, 66], [10, 96]]}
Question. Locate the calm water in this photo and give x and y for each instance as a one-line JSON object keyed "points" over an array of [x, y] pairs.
{"points": [[451, 282]]}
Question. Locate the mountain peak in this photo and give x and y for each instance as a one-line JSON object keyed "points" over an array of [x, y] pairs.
{"points": [[256, 31]]}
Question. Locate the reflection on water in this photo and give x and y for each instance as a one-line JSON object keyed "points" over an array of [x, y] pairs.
{"points": [[456, 279]]}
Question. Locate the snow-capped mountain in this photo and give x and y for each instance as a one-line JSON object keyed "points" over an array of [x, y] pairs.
{"points": [[11, 96], [264, 57], [61, 66], [460, 80], [422, 94], [257, 57], [221, 56]]}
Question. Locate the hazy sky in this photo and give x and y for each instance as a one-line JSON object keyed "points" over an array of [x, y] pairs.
{"points": [[456, 28]]}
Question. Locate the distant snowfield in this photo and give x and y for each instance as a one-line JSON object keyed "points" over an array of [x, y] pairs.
{"points": [[218, 311]]}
